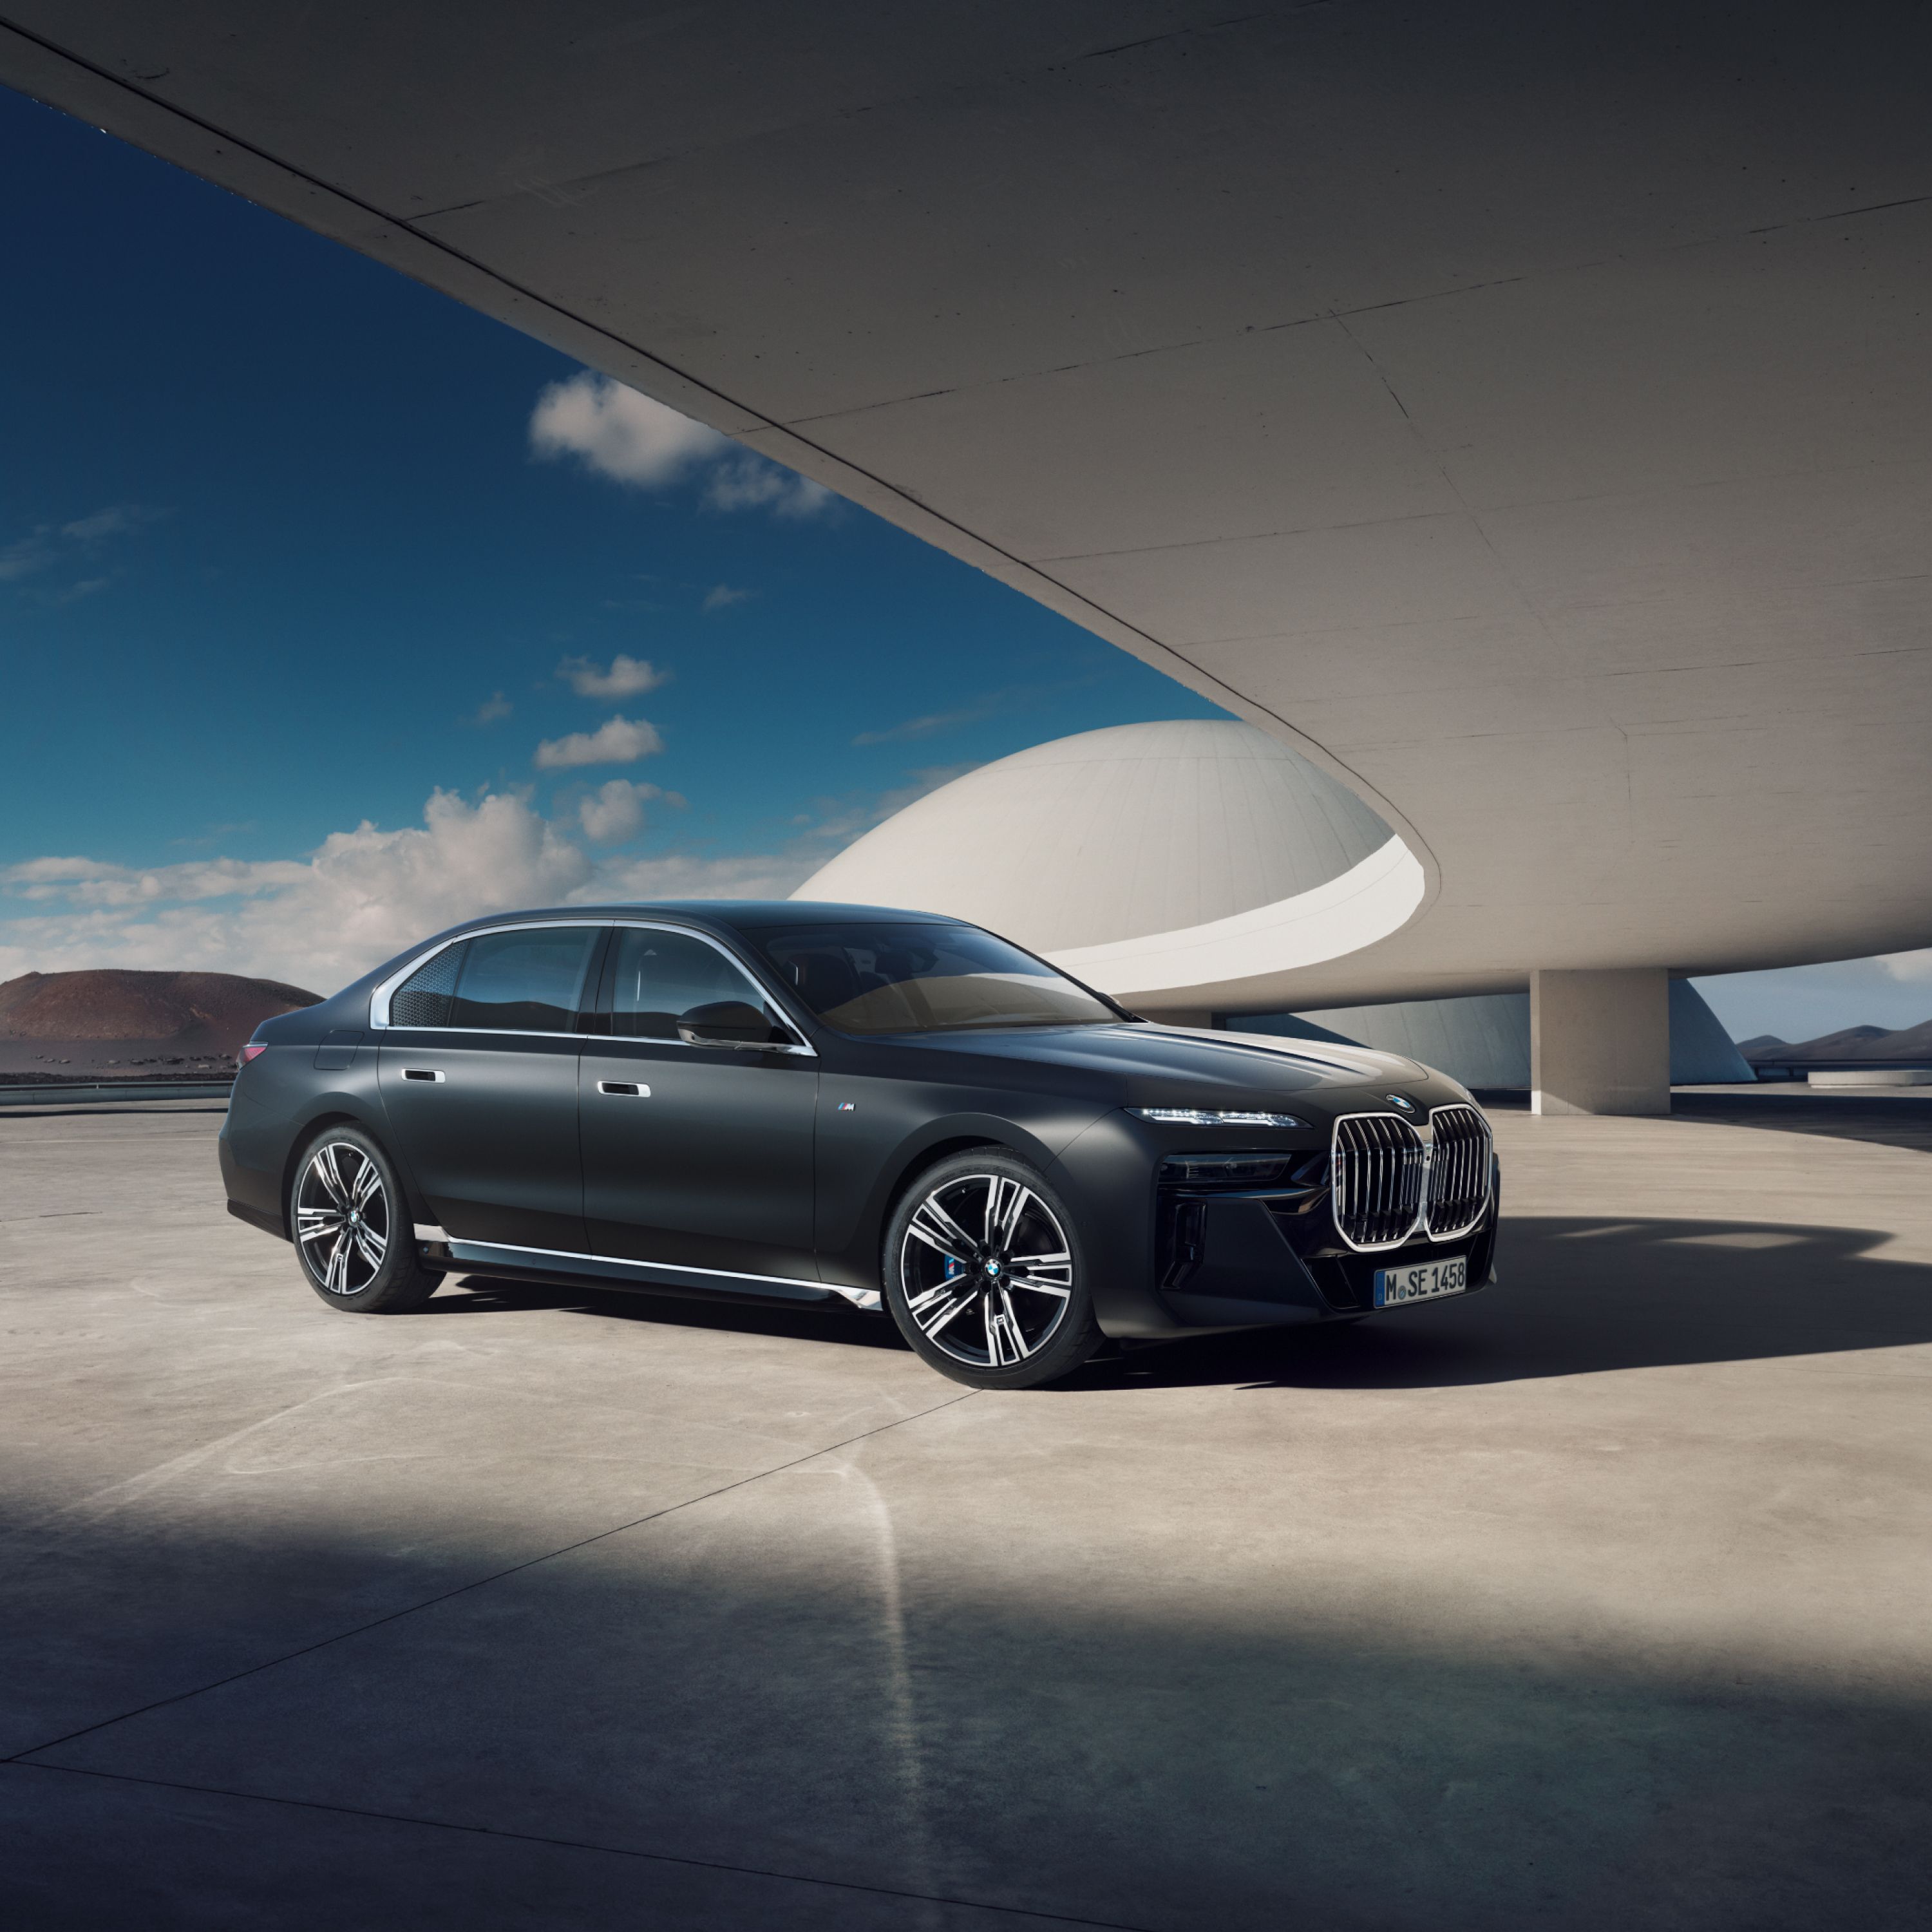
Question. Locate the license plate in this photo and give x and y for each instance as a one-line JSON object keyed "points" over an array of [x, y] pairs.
{"points": [[1396, 1287]]}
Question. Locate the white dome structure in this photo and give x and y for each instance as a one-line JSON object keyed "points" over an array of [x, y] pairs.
{"points": [[1168, 863], [1179, 866]]}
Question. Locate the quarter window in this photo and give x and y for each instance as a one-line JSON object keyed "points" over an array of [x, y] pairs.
{"points": [[424, 999], [657, 976], [527, 981]]}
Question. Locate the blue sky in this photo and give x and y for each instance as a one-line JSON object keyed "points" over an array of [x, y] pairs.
{"points": [[281, 567]]}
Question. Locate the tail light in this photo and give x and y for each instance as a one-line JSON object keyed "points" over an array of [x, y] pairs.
{"points": [[249, 1052]]}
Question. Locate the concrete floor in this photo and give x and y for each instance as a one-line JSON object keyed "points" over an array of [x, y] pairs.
{"points": [[1601, 1600]]}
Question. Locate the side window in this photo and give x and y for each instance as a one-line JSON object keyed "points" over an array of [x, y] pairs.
{"points": [[659, 975], [424, 999], [530, 981]]}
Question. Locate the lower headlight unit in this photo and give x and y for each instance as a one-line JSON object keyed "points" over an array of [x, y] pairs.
{"points": [[1213, 1117]]}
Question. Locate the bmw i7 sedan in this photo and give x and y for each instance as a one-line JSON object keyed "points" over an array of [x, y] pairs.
{"points": [[796, 1101]]}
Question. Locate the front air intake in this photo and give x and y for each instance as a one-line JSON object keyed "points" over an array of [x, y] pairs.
{"points": [[1392, 1182], [1379, 1167]]}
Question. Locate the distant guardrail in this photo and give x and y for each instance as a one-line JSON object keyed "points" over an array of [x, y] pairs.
{"points": [[66, 1092]]}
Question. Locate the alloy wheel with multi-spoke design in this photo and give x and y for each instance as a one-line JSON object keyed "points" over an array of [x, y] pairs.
{"points": [[343, 1220], [986, 1270]]}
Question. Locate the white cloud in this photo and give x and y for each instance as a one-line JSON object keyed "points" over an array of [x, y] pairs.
{"points": [[1906, 965], [751, 483], [48, 544], [617, 741], [85, 882], [615, 811], [722, 596], [679, 876], [630, 438], [363, 896], [317, 921], [619, 432], [493, 707], [628, 677], [108, 523]]}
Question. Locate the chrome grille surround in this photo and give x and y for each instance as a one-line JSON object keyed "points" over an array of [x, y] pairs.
{"points": [[1379, 1167], [1458, 1194], [1392, 1180]]}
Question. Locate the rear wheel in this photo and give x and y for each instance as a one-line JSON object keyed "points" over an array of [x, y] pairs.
{"points": [[353, 1230], [985, 1275]]}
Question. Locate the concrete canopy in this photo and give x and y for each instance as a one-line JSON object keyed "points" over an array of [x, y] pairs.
{"points": [[1522, 411]]}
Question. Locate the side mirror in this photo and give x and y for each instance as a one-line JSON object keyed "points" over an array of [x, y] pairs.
{"points": [[729, 1023]]}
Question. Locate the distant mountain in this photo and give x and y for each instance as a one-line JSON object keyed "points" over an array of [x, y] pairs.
{"points": [[1849, 1043], [210, 1012]]}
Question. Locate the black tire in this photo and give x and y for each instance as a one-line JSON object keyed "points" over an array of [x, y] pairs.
{"points": [[355, 1239], [1016, 1326]]}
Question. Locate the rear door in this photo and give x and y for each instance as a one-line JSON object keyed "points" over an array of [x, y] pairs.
{"points": [[694, 1157], [478, 1076]]}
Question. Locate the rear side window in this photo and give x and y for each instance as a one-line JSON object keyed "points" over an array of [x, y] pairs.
{"points": [[657, 976], [424, 998], [530, 981]]}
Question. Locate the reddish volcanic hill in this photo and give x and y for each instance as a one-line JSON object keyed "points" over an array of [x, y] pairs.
{"points": [[213, 1012]]}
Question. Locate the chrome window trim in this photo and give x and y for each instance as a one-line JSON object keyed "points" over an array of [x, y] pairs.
{"points": [[378, 1000]]}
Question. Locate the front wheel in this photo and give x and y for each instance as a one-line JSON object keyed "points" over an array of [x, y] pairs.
{"points": [[984, 1274], [352, 1229]]}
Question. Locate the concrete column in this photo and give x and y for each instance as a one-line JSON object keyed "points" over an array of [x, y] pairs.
{"points": [[1184, 1016], [1600, 1042]]}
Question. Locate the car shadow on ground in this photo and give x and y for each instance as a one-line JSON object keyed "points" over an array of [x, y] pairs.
{"points": [[1577, 1295], [1899, 1120]]}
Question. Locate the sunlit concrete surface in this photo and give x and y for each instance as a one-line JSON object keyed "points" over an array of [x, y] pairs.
{"points": [[1598, 1602]]}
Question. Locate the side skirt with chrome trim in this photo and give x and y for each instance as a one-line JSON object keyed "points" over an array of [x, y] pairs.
{"points": [[619, 1273]]}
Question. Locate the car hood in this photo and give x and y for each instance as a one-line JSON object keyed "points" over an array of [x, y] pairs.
{"points": [[1188, 1066]]}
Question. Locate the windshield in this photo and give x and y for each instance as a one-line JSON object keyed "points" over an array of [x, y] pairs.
{"points": [[886, 978]]}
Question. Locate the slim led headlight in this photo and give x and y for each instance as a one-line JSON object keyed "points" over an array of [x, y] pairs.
{"points": [[1213, 1117]]}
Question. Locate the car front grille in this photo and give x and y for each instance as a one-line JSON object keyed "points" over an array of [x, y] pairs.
{"points": [[1390, 1183], [1379, 1170], [1459, 1171]]}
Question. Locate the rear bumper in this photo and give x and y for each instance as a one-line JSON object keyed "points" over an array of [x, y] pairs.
{"points": [[254, 1194], [269, 1224]]}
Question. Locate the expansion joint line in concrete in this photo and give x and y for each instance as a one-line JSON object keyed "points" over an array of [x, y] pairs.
{"points": [[589, 1844], [478, 1582]]}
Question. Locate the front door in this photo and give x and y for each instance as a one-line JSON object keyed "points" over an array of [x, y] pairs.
{"points": [[694, 1157], [478, 1077]]}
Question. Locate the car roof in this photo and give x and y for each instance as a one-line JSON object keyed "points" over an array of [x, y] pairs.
{"points": [[738, 914]]}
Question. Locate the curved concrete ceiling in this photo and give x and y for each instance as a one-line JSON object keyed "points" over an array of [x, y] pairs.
{"points": [[1523, 411]]}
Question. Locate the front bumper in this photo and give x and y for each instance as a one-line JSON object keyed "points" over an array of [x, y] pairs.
{"points": [[1224, 1258], [1167, 1258]]}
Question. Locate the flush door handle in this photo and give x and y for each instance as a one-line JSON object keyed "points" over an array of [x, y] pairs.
{"points": [[631, 1087], [422, 1073]]}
